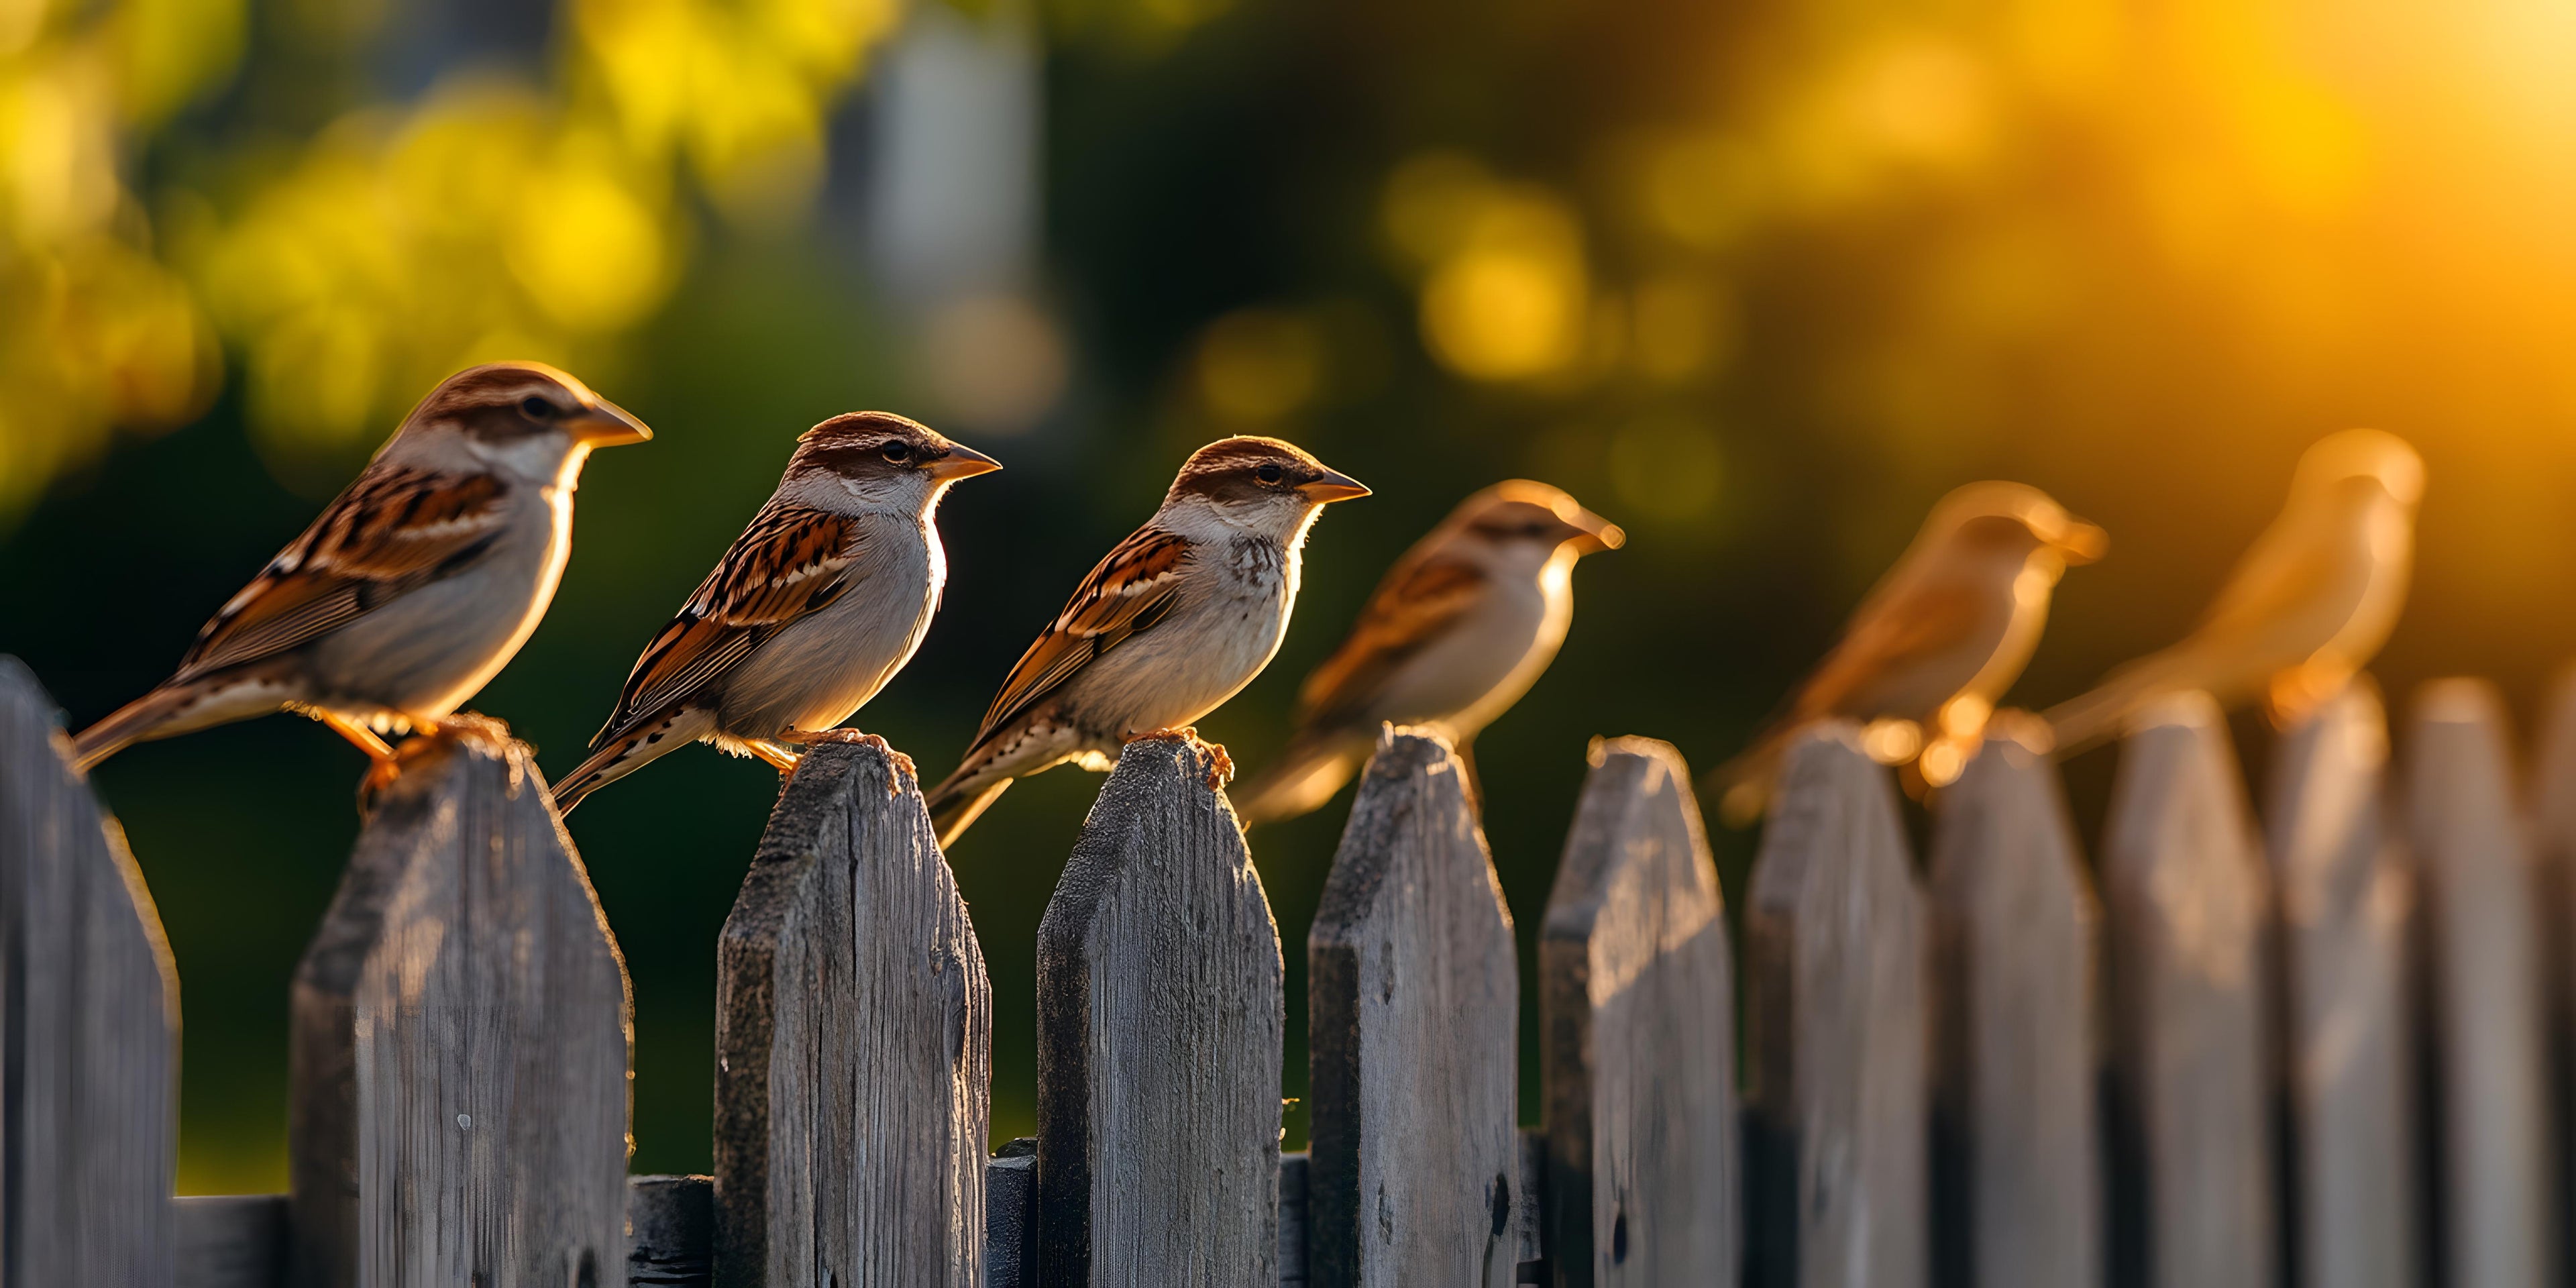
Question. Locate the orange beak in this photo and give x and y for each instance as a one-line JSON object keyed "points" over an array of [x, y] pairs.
{"points": [[962, 462], [1333, 487], [605, 424]]}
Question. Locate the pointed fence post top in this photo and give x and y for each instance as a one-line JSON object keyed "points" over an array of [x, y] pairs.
{"points": [[1161, 1021], [89, 1015], [2006, 801], [1637, 832], [833, 779], [2178, 797], [854, 1043], [458, 1112], [2459, 773], [1414, 780], [1833, 801]]}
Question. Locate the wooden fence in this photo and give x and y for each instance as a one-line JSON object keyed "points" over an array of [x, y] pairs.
{"points": [[2331, 1052]]}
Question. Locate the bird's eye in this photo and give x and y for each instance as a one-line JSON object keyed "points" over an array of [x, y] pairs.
{"points": [[896, 453], [1268, 473], [537, 408]]}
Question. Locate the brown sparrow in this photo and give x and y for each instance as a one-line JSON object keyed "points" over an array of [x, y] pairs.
{"points": [[1460, 628], [2307, 607], [1942, 636], [415, 586], [815, 606], [1177, 619]]}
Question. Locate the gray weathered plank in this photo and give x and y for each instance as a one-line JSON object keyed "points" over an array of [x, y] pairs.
{"points": [[2016, 1038], [2185, 899], [460, 1040], [1838, 980], [232, 1241], [2473, 870], [89, 1021], [670, 1231], [854, 1044], [2344, 903], [1638, 1038], [1160, 1028], [1412, 1023]]}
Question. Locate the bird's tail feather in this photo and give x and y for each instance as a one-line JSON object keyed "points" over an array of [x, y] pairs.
{"points": [[618, 754], [1308, 773], [956, 803], [137, 721], [2090, 719]]}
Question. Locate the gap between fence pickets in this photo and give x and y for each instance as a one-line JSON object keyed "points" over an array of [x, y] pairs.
{"points": [[239, 1240]]}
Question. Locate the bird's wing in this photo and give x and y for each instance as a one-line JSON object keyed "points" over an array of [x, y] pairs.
{"points": [[1130, 590], [396, 528], [793, 560], [1908, 626], [2277, 575], [1415, 606]]}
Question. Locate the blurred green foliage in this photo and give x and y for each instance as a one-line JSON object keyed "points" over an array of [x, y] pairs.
{"points": [[1757, 281]]}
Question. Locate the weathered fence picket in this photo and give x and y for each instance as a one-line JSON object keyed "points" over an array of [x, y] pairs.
{"points": [[1637, 1035], [1413, 1022], [2017, 1144], [854, 1035], [2473, 868], [1837, 970], [89, 1022], [2185, 899], [2344, 904], [460, 1043], [1160, 1029]]}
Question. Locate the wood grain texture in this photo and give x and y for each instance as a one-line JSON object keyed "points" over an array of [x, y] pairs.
{"points": [[2017, 1159], [1837, 958], [1638, 1036], [459, 1044], [89, 1024], [2473, 869], [1412, 1037], [2344, 902], [2186, 900], [854, 1033], [1011, 1214], [1160, 1028]]}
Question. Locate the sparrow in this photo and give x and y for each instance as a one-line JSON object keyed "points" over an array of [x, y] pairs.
{"points": [[810, 612], [1459, 629], [1935, 644], [2307, 607], [1177, 619], [415, 586]]}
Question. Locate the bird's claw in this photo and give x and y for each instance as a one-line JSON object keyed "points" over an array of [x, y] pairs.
{"points": [[1220, 766], [852, 737]]}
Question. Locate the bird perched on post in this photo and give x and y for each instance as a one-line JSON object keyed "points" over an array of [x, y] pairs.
{"points": [[1932, 647], [1177, 619], [810, 612], [1459, 629], [415, 586], [2307, 607]]}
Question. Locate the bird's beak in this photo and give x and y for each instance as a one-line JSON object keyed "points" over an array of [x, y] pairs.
{"points": [[1333, 487], [962, 462], [2081, 542], [605, 424], [1591, 534]]}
